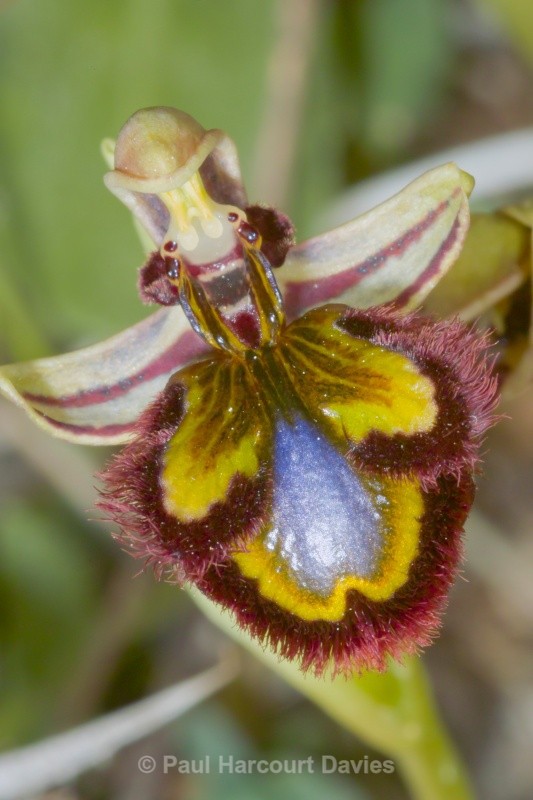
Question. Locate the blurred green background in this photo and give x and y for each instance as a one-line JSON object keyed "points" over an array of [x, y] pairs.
{"points": [[317, 94]]}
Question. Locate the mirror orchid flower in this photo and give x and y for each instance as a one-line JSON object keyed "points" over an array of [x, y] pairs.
{"points": [[299, 444]]}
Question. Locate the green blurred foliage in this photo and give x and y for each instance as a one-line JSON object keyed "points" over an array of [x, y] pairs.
{"points": [[49, 587], [516, 18], [376, 82], [214, 732], [70, 75], [403, 68], [400, 68]]}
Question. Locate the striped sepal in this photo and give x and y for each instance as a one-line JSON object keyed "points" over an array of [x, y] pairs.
{"points": [[95, 395], [395, 253]]}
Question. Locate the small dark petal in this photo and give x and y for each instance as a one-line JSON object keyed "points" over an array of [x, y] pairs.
{"points": [[154, 285], [276, 229]]}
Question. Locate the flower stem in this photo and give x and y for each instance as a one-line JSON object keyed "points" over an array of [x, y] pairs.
{"points": [[432, 771], [391, 711], [428, 759]]}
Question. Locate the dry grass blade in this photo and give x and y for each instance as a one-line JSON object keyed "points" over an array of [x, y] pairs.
{"points": [[62, 758]]}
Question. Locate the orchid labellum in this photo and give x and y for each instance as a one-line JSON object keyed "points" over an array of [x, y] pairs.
{"points": [[300, 445]]}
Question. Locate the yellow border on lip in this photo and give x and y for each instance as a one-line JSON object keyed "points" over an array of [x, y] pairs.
{"points": [[402, 521]]}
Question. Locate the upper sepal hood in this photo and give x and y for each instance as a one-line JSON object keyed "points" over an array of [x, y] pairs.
{"points": [[178, 147]]}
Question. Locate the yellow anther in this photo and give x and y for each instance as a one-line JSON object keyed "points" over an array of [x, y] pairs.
{"points": [[189, 204]]}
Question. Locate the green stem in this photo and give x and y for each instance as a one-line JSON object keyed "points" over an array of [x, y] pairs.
{"points": [[432, 770], [430, 763], [393, 712]]}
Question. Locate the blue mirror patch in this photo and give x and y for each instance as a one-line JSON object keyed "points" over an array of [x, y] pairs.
{"points": [[325, 525]]}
